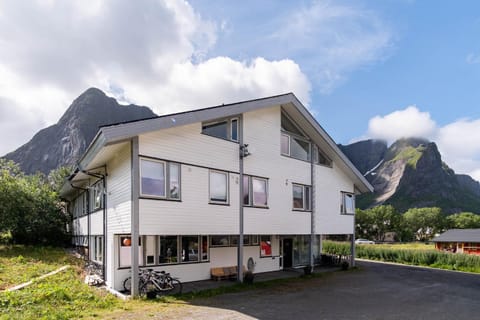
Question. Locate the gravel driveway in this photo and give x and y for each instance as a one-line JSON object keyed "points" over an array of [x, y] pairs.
{"points": [[376, 291]]}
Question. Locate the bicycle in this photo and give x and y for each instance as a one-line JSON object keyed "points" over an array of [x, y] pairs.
{"points": [[155, 282]]}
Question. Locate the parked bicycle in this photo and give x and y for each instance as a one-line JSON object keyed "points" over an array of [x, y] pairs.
{"points": [[154, 282]]}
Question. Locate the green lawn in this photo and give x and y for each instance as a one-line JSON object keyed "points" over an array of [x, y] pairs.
{"points": [[61, 296]]}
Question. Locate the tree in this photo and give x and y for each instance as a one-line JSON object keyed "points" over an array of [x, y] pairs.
{"points": [[375, 222], [464, 220], [424, 223], [30, 208]]}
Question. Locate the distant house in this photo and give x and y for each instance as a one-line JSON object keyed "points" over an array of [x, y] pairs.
{"points": [[179, 192], [459, 240]]}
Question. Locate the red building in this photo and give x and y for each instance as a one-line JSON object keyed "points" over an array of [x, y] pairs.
{"points": [[459, 240]]}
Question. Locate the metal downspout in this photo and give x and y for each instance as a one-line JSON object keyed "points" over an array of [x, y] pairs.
{"points": [[135, 215], [312, 200], [240, 208]]}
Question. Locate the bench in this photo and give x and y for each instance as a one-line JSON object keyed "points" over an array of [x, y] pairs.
{"points": [[221, 273]]}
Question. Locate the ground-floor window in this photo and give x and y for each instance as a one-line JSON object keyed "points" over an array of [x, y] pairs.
{"points": [[97, 249], [265, 246], [301, 250]]}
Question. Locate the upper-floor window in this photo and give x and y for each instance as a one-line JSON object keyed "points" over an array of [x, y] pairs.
{"points": [[322, 159], [302, 197], [348, 203], [218, 187], [225, 129], [255, 191], [97, 195], [293, 142], [80, 205], [159, 179]]}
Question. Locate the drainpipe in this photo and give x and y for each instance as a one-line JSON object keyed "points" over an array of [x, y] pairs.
{"points": [[135, 163], [243, 152], [312, 205], [352, 245]]}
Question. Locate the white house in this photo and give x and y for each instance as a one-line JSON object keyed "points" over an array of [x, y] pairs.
{"points": [[180, 190]]}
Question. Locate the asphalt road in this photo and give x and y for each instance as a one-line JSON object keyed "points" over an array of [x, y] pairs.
{"points": [[376, 291]]}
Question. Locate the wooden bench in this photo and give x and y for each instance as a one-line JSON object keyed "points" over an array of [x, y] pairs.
{"points": [[220, 273]]}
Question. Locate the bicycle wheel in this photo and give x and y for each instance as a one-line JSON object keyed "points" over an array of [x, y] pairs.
{"points": [[176, 287], [127, 284]]}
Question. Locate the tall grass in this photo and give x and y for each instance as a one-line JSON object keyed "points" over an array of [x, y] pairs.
{"points": [[419, 257]]}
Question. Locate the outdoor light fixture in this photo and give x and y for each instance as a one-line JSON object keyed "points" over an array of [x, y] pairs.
{"points": [[244, 151]]}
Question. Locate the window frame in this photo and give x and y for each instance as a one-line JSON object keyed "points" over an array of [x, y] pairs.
{"points": [[167, 179], [260, 246], [97, 190], [306, 199], [227, 188], [251, 199], [343, 205], [229, 128]]}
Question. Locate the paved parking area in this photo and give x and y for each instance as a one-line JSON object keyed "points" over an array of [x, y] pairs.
{"points": [[376, 291]]}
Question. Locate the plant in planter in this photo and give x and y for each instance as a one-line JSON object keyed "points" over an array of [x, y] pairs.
{"points": [[248, 277]]}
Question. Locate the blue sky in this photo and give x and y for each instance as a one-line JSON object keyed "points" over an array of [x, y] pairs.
{"points": [[365, 69]]}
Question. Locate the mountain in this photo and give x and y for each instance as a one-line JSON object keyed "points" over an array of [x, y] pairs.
{"points": [[64, 142], [410, 173]]}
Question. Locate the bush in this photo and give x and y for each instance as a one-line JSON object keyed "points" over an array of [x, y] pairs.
{"points": [[431, 258]]}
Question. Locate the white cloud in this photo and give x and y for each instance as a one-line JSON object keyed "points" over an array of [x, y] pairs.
{"points": [[458, 142], [145, 52], [409, 122], [333, 40]]}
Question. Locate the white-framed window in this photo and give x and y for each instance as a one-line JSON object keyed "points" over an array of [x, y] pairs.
{"points": [[293, 142], [97, 196], [348, 203], [265, 246], [168, 249], [285, 144], [302, 197], [224, 129], [190, 249], [125, 251], [322, 159], [97, 249], [160, 179], [218, 187], [255, 191]]}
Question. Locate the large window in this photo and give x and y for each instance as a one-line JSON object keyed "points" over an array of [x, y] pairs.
{"points": [[255, 191], [218, 186], [168, 249], [156, 175], [302, 197], [348, 203], [226, 129], [190, 249]]}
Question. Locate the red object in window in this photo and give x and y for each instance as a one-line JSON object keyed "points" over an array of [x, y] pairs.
{"points": [[127, 242], [266, 248]]}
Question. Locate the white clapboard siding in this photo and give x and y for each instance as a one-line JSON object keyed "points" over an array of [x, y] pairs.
{"points": [[119, 194], [187, 144], [330, 182]]}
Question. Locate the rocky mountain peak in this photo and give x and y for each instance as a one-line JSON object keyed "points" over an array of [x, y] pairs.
{"points": [[64, 142], [412, 174]]}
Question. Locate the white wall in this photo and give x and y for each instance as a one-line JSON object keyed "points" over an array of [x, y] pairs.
{"points": [[96, 223], [330, 182], [262, 134], [118, 207]]}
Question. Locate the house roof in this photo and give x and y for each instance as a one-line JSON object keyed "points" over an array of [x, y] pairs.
{"points": [[459, 235], [110, 135]]}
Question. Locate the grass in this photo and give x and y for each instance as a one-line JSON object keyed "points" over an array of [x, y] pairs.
{"points": [[65, 296], [20, 264]]}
